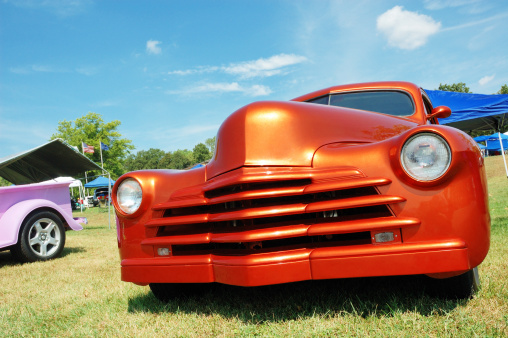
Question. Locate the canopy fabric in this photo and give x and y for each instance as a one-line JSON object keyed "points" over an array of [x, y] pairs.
{"points": [[492, 141], [472, 111], [48, 161], [100, 182]]}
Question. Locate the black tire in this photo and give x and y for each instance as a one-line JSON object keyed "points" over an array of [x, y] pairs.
{"points": [[166, 292], [459, 287], [41, 237]]}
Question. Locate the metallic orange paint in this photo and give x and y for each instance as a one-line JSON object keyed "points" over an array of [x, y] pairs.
{"points": [[298, 191]]}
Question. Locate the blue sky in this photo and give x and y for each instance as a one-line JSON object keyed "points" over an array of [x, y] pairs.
{"points": [[172, 71]]}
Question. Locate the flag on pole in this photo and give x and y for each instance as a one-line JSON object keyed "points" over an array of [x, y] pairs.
{"points": [[104, 146], [87, 148]]}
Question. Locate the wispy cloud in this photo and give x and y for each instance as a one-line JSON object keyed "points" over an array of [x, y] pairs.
{"points": [[62, 8], [486, 79], [405, 29], [263, 67], [197, 70], [477, 22], [152, 47], [440, 4], [88, 71], [35, 69], [254, 90]]}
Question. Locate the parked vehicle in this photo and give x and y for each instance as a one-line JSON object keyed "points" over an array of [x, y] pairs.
{"points": [[34, 218], [350, 181]]}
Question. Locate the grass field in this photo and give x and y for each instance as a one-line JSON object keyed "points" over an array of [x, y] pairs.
{"points": [[80, 294]]}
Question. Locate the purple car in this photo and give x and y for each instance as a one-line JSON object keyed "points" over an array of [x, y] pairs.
{"points": [[34, 218]]}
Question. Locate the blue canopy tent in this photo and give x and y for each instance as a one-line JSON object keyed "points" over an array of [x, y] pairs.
{"points": [[474, 112], [492, 142], [100, 182]]}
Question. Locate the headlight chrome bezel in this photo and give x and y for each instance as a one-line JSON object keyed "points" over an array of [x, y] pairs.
{"points": [[426, 147], [129, 202]]}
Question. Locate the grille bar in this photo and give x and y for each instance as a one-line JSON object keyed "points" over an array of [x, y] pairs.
{"points": [[274, 233], [331, 185]]}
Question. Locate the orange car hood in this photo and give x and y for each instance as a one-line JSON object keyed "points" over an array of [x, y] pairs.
{"points": [[270, 133]]}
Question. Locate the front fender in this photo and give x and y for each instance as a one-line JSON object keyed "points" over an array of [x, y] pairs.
{"points": [[10, 223]]}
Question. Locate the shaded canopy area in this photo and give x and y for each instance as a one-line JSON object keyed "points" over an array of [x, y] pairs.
{"points": [[472, 112], [493, 142], [48, 161], [100, 182]]}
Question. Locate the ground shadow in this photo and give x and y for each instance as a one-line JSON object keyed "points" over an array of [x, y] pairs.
{"points": [[7, 259], [365, 297]]}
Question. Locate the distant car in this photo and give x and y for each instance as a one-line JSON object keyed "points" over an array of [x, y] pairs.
{"points": [[350, 181], [100, 194], [34, 218]]}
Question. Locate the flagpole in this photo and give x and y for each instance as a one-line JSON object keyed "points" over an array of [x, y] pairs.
{"points": [[83, 150], [102, 164]]}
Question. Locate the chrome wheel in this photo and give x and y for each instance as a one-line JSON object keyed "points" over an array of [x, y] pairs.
{"points": [[41, 237], [44, 237]]}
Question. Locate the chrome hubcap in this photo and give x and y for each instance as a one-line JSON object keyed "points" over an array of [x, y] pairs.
{"points": [[44, 237]]}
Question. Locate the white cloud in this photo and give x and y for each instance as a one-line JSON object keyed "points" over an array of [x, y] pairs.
{"points": [[405, 29], [263, 67], [486, 79], [152, 47], [221, 87]]}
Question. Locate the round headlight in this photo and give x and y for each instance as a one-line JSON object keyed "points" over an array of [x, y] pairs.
{"points": [[426, 157], [129, 195]]}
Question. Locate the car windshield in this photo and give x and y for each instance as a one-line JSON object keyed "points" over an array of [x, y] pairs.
{"points": [[386, 102]]}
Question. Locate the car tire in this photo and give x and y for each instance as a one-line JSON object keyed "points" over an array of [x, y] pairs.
{"points": [[459, 287], [166, 292], [41, 237]]}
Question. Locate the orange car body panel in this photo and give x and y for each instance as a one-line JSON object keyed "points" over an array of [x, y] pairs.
{"points": [[299, 191]]}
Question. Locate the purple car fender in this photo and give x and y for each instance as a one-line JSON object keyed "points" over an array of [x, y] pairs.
{"points": [[11, 220]]}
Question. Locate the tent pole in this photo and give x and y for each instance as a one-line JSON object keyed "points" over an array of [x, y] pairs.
{"points": [[502, 152], [109, 200]]}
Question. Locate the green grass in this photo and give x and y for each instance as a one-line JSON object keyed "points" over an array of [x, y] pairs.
{"points": [[80, 294]]}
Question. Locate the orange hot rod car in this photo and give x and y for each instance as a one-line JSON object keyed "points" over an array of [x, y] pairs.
{"points": [[349, 181]]}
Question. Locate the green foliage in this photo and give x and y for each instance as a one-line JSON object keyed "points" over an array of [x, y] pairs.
{"points": [[210, 143], [503, 90], [179, 159], [182, 159], [92, 129], [201, 153], [455, 87], [145, 159], [4, 182]]}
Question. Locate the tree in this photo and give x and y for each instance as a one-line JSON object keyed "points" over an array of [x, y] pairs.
{"points": [[91, 129], [181, 159], [145, 159], [210, 143], [4, 182], [503, 90], [455, 87], [201, 153]]}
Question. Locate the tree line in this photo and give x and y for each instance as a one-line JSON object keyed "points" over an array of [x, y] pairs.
{"points": [[92, 130], [117, 152]]}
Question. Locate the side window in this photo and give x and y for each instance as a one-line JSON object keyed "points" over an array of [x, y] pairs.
{"points": [[320, 100], [395, 103], [428, 110]]}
